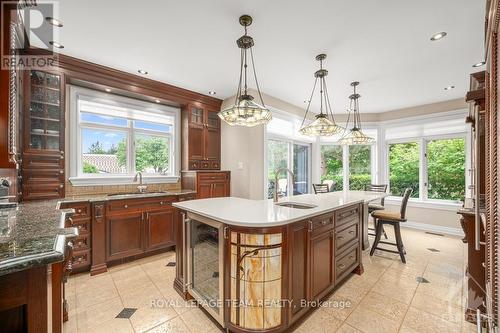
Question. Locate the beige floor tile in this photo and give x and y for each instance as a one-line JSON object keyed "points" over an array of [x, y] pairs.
{"points": [[197, 321], [175, 325], [450, 293], [398, 290], [147, 296], [346, 328], [368, 321], [438, 307], [338, 306], [91, 283], [146, 318], [70, 326], [96, 315], [117, 325], [96, 296], [385, 306], [175, 301], [320, 322], [424, 322]]}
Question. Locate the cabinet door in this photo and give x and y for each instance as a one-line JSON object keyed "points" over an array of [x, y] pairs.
{"points": [[204, 190], [196, 142], [321, 263], [160, 229], [299, 239], [220, 190], [125, 235], [212, 137]]}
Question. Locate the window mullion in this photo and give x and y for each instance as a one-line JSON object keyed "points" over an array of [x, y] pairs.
{"points": [[131, 149], [423, 181], [345, 163]]}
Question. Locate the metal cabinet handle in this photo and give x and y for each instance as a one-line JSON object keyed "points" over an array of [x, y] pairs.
{"points": [[79, 211], [340, 237], [310, 226], [161, 203], [477, 180], [351, 232], [125, 206], [341, 266], [324, 222], [70, 220]]}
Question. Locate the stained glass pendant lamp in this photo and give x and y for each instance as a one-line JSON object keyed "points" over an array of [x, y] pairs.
{"points": [[324, 124], [355, 136], [245, 111]]}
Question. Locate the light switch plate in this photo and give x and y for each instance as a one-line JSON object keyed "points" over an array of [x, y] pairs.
{"points": [[240, 165]]}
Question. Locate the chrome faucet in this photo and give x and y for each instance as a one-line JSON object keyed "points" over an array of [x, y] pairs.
{"points": [[4, 199], [276, 174], [141, 188]]}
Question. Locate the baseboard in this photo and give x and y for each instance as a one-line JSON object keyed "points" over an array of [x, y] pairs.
{"points": [[434, 228]]}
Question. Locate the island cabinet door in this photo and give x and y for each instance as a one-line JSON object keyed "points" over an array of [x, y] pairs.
{"points": [[321, 263], [298, 268], [125, 235], [160, 229]]}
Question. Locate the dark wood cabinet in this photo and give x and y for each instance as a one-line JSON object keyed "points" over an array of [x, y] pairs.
{"points": [[321, 264], [160, 229], [42, 166], [201, 139], [125, 235], [299, 280], [207, 184]]}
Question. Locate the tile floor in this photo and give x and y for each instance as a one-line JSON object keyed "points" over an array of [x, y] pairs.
{"points": [[386, 298]]}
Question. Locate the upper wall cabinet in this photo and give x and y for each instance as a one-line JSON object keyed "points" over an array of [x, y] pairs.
{"points": [[43, 136], [201, 138]]}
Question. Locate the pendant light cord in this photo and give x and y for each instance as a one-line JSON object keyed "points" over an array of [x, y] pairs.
{"points": [[309, 102], [255, 76]]}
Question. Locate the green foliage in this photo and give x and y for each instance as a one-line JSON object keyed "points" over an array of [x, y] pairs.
{"points": [[404, 168], [277, 156], [151, 154], [358, 182], [96, 148], [89, 168], [446, 169]]}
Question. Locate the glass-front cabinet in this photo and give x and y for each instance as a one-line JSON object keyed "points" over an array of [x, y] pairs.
{"points": [[42, 171], [45, 117]]}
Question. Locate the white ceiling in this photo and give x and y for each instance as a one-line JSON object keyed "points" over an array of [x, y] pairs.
{"points": [[384, 44]]}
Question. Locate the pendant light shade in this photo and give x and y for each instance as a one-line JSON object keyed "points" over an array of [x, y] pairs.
{"points": [[324, 124], [244, 111], [355, 136]]}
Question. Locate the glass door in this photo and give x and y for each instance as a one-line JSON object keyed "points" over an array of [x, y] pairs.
{"points": [[205, 264], [301, 169]]}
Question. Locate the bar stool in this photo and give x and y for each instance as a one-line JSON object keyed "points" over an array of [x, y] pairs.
{"points": [[393, 218], [374, 206], [320, 188]]}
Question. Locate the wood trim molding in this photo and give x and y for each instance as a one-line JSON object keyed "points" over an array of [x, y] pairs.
{"points": [[80, 70]]}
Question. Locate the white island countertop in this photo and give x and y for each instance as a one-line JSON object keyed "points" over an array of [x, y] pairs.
{"points": [[265, 213]]}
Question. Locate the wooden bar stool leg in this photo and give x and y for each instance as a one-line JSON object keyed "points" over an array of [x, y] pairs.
{"points": [[399, 242], [378, 233], [383, 231]]}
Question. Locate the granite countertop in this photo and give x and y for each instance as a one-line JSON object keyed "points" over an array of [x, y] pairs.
{"points": [[265, 213], [122, 196], [33, 235]]}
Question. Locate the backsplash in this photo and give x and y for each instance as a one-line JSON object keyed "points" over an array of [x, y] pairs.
{"points": [[105, 189]]}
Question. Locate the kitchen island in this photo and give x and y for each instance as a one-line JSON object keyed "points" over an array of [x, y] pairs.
{"points": [[256, 265]]}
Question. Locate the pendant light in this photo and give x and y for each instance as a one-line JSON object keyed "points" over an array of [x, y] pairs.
{"points": [[244, 111], [355, 135], [324, 124]]}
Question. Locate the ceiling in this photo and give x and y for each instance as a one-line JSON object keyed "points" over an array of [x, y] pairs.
{"points": [[383, 44]]}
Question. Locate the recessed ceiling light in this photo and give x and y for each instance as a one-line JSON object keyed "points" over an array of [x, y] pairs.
{"points": [[56, 44], [157, 100], [107, 90], [449, 88], [479, 64], [53, 21], [438, 36], [142, 71], [211, 92]]}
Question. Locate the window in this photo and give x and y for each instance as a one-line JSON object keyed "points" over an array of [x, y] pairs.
{"points": [[446, 169], [404, 168], [113, 137], [434, 168], [294, 156], [332, 171], [360, 173]]}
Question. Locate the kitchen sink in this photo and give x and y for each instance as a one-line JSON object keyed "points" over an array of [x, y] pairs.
{"points": [[295, 205]]}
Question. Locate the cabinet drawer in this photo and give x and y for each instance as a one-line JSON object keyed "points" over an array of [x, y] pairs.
{"points": [[82, 210], [83, 225], [138, 205], [346, 236], [80, 259], [347, 262], [81, 243], [49, 161], [346, 215], [37, 191], [320, 224], [43, 175], [211, 176]]}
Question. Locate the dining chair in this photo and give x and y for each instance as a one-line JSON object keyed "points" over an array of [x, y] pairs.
{"points": [[321, 188], [376, 206], [392, 218]]}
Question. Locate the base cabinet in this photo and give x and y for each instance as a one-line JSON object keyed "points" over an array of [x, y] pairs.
{"points": [[160, 229], [321, 263], [125, 235], [207, 184]]}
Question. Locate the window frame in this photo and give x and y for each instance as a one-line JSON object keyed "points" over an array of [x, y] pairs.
{"points": [[78, 178], [423, 172]]}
